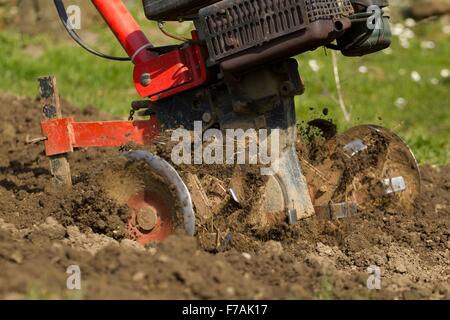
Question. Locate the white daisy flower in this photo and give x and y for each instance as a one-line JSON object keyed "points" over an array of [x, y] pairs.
{"points": [[434, 81], [363, 69], [407, 33], [401, 103], [397, 29], [415, 76], [446, 29], [428, 45], [404, 43], [314, 65], [410, 23], [387, 51]]}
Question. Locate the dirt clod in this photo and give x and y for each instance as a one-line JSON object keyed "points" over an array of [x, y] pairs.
{"points": [[44, 230]]}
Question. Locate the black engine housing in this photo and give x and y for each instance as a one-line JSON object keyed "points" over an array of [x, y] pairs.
{"points": [[174, 10]]}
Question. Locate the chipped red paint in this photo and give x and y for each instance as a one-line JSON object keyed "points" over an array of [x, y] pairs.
{"points": [[164, 224], [172, 72], [63, 135], [125, 28]]}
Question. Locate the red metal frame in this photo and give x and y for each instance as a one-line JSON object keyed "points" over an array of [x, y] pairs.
{"points": [[64, 135], [170, 73], [125, 28]]}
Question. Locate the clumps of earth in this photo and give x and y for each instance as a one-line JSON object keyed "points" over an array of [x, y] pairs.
{"points": [[44, 230]]}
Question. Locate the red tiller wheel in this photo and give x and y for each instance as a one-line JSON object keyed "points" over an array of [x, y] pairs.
{"points": [[159, 200], [151, 219]]}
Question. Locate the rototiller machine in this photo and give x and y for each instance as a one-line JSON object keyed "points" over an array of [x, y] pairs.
{"points": [[236, 72]]}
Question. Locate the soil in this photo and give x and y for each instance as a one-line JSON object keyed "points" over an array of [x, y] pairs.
{"points": [[44, 230]]}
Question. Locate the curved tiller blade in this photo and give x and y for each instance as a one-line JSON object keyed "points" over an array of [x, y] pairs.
{"points": [[157, 197], [369, 166]]}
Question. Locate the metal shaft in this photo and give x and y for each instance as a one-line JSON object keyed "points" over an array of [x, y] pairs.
{"points": [[125, 28]]}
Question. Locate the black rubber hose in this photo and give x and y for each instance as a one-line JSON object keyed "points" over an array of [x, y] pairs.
{"points": [[59, 4]]}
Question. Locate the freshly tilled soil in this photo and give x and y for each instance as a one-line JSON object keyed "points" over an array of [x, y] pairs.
{"points": [[44, 230]]}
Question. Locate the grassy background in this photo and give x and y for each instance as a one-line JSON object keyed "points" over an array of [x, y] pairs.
{"points": [[424, 121]]}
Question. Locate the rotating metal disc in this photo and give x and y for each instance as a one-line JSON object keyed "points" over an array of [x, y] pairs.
{"points": [[152, 217], [158, 200], [367, 165]]}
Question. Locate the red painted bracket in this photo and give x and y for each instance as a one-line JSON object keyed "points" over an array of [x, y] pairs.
{"points": [[165, 74], [64, 135], [171, 73]]}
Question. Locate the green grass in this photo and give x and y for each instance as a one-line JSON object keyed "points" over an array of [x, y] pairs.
{"points": [[424, 122], [83, 79]]}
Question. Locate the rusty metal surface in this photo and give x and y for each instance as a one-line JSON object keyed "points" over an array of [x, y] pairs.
{"points": [[63, 135], [172, 72], [51, 108], [317, 34], [230, 27], [337, 210], [174, 10], [151, 217], [171, 177]]}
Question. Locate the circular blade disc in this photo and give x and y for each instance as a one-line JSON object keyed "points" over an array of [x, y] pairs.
{"points": [[368, 165], [151, 218], [155, 209]]}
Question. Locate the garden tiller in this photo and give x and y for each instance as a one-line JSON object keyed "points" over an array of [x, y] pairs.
{"points": [[236, 71]]}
